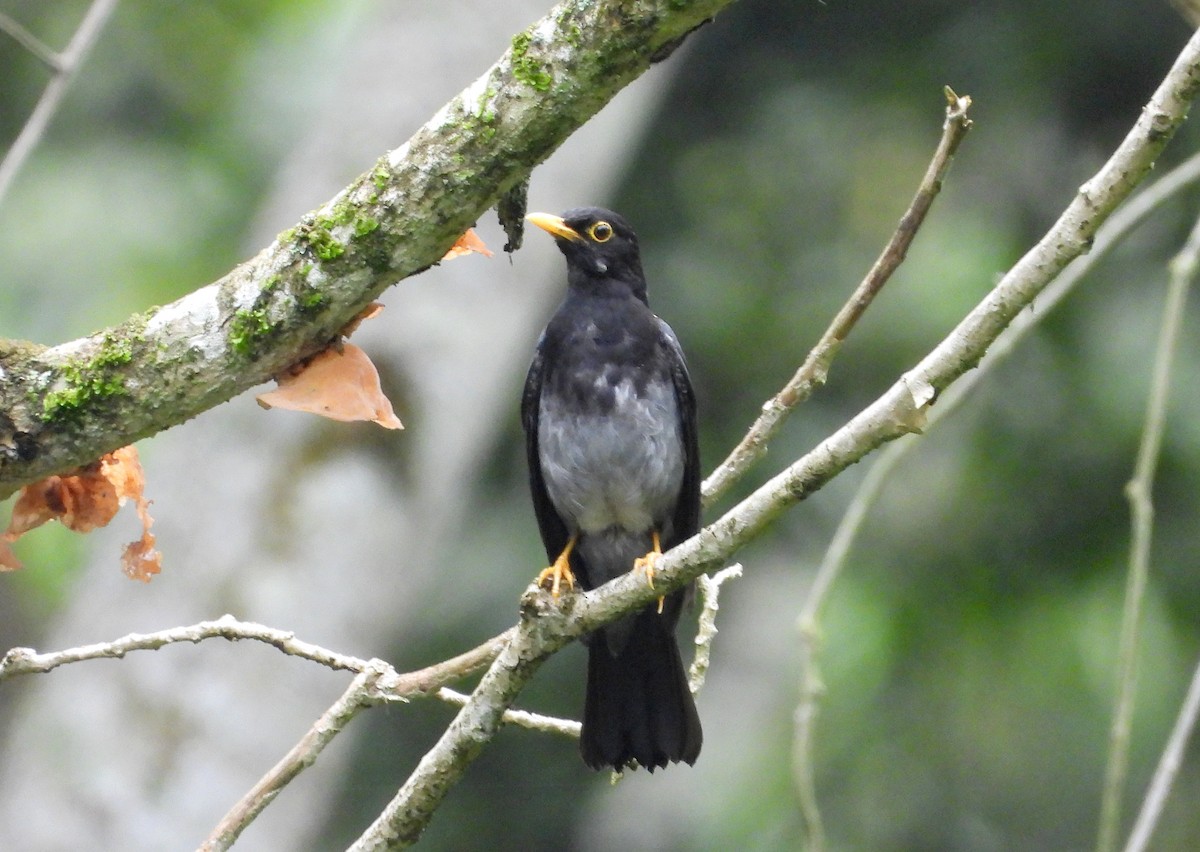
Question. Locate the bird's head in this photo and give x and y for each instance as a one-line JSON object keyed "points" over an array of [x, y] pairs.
{"points": [[597, 243]]}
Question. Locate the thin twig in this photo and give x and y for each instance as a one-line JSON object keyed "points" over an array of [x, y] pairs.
{"points": [[390, 684], [304, 754], [1122, 223], [1139, 492], [31, 43], [813, 371], [20, 661], [428, 680], [539, 633], [520, 718], [709, 590], [69, 62], [1168, 768], [812, 687], [375, 682]]}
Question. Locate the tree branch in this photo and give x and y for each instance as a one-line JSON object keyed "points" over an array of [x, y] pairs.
{"points": [[546, 626], [64, 65], [520, 718], [30, 42], [358, 695], [708, 590], [1168, 769], [815, 369], [1139, 491], [390, 685], [67, 405], [1124, 221], [1116, 229], [19, 661]]}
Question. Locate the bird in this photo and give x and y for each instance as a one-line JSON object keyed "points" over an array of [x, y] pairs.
{"points": [[609, 417]]}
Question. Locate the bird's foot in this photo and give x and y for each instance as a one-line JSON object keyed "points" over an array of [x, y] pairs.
{"points": [[646, 563], [560, 572]]}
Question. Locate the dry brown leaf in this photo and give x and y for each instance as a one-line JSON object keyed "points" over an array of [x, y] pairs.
{"points": [[340, 383], [80, 501], [466, 244], [85, 499]]}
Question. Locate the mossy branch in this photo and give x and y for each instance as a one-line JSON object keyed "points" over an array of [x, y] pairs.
{"points": [[68, 404]]}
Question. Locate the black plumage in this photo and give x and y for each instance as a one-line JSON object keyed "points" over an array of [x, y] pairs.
{"points": [[610, 430]]}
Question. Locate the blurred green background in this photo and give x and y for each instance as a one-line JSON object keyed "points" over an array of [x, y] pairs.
{"points": [[968, 650]]}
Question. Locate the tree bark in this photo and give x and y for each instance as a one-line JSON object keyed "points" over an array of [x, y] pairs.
{"points": [[67, 405]]}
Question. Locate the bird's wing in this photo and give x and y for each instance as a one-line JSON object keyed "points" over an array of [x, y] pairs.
{"points": [[686, 521], [554, 531]]}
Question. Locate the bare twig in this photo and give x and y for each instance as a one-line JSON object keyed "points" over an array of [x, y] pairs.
{"points": [[1139, 492], [27, 661], [709, 590], [520, 718], [389, 684], [30, 42], [361, 693], [1168, 768], [65, 66], [428, 680], [815, 368], [375, 682], [543, 629], [546, 625], [1116, 229], [811, 685]]}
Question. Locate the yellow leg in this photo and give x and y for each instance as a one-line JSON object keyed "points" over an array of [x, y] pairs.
{"points": [[560, 571], [647, 562]]}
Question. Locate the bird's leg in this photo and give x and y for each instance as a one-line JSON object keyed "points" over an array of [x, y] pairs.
{"points": [[560, 571], [647, 562]]}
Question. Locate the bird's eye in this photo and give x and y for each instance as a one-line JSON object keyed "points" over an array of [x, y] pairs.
{"points": [[601, 232]]}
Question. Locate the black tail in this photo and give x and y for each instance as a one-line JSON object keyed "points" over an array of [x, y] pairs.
{"points": [[639, 707]]}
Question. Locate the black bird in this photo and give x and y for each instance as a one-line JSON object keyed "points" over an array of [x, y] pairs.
{"points": [[610, 433]]}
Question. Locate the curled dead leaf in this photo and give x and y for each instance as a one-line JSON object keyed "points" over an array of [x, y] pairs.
{"points": [[84, 499], [80, 501], [340, 383]]}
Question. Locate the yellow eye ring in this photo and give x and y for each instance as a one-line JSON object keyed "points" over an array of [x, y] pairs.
{"points": [[600, 232]]}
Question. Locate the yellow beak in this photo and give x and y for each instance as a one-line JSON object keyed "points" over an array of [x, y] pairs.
{"points": [[556, 225]]}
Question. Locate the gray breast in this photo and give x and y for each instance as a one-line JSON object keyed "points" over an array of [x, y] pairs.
{"points": [[616, 465]]}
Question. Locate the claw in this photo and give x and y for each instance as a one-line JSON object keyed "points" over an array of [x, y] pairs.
{"points": [[646, 563], [560, 571]]}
